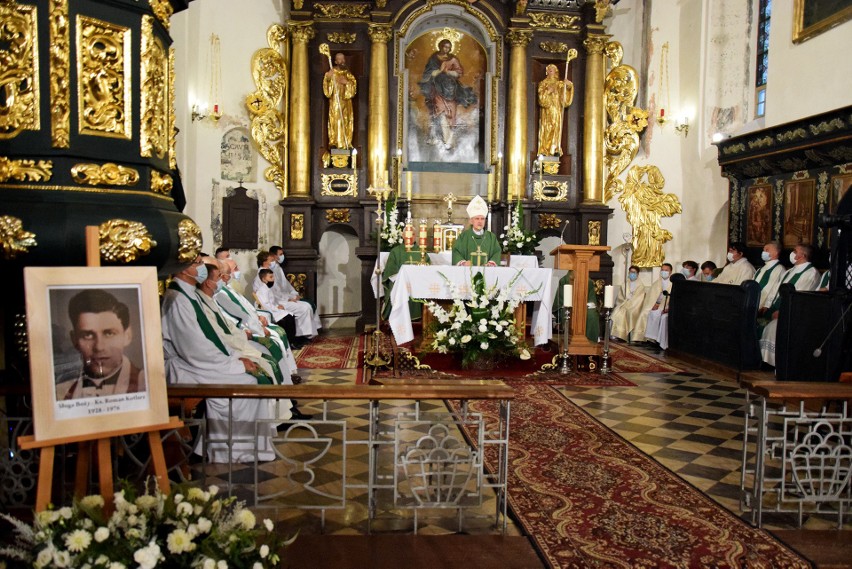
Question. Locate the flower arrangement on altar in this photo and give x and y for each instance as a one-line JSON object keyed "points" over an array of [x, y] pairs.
{"points": [[188, 528], [516, 240], [391, 226], [482, 326]]}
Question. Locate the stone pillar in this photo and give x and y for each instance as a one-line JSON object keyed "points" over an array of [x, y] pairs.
{"points": [[594, 122], [377, 125], [516, 135], [300, 111]]}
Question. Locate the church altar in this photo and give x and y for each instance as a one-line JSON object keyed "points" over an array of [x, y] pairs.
{"points": [[426, 282]]}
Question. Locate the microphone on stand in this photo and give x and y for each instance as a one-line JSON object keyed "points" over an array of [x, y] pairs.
{"points": [[818, 351], [562, 235]]}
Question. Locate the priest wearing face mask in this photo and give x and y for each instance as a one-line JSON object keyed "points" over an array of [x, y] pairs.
{"points": [[738, 270], [476, 246], [629, 307], [656, 329], [194, 354], [769, 276]]}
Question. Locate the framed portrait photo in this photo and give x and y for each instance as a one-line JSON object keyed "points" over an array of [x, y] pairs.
{"points": [[96, 350], [813, 17]]}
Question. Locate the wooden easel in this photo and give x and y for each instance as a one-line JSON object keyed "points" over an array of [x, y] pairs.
{"points": [[103, 440]]}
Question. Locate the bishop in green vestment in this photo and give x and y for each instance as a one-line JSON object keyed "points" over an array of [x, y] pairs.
{"points": [[476, 246], [593, 319], [398, 257]]}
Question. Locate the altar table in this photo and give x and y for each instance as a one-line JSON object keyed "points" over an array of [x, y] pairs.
{"points": [[426, 282]]}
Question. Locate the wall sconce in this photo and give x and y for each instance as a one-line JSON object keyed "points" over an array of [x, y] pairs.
{"points": [[214, 80], [200, 113], [661, 119], [682, 125]]}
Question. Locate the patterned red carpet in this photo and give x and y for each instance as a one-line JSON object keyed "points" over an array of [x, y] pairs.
{"points": [[330, 353], [590, 499]]}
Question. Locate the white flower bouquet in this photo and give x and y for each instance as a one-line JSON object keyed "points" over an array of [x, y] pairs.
{"points": [[392, 228], [482, 326], [189, 528], [515, 239]]}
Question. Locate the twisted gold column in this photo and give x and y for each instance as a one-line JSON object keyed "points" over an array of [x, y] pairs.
{"points": [[377, 125], [516, 135], [300, 111], [593, 125]]}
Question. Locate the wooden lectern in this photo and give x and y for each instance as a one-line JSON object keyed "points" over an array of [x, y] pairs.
{"points": [[581, 259]]}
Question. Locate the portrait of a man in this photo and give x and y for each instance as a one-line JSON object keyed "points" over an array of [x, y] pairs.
{"points": [[102, 337]]}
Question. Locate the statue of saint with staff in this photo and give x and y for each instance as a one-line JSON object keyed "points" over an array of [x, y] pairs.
{"points": [[340, 86], [554, 95]]}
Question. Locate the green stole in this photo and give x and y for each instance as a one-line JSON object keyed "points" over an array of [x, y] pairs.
{"points": [[764, 278], [776, 303]]}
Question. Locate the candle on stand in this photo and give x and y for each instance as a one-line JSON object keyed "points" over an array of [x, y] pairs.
{"points": [[408, 185], [567, 295], [540, 168], [354, 157], [422, 235], [609, 296], [399, 170], [490, 187], [498, 191]]}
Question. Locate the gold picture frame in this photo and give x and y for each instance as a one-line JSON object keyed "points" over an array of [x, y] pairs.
{"points": [[812, 18], [96, 350]]}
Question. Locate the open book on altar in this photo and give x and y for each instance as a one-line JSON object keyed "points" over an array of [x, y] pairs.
{"points": [[428, 282]]}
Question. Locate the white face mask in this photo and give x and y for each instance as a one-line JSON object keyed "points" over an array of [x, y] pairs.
{"points": [[793, 257], [686, 272], [764, 256], [236, 275], [664, 274], [730, 257]]}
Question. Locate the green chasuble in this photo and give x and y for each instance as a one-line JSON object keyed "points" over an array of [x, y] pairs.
{"points": [[465, 248], [593, 320], [398, 257]]}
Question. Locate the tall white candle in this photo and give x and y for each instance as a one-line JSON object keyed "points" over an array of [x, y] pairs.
{"points": [[567, 295], [609, 296]]}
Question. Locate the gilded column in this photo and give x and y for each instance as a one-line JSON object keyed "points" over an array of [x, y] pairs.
{"points": [[594, 123], [516, 136], [300, 111], [378, 123]]}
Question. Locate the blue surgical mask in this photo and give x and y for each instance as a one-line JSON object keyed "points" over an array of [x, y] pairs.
{"points": [[708, 278], [633, 276], [281, 258], [236, 275], [220, 285], [664, 274], [201, 274], [764, 256], [686, 272]]}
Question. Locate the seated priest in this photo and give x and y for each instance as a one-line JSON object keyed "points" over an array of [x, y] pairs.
{"points": [[803, 276], [629, 307], [656, 326], [398, 257], [593, 320], [738, 270], [283, 286], [769, 277], [239, 310], [195, 354], [284, 298], [476, 246]]}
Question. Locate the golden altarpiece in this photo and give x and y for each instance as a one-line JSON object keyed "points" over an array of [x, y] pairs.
{"points": [[444, 101]]}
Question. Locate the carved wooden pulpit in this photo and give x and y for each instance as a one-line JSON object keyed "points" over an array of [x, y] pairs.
{"points": [[581, 259]]}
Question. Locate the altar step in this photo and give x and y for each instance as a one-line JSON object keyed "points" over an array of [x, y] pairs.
{"points": [[392, 551], [828, 549]]}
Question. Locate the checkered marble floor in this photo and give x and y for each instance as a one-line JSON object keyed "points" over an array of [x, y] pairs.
{"points": [[691, 421]]}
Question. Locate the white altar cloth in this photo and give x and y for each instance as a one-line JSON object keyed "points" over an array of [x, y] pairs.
{"points": [[426, 282]]}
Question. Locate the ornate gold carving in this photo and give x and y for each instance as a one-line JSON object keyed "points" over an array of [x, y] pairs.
{"points": [[339, 185], [108, 174], [465, 5], [554, 21], [103, 78], [791, 135], [297, 226], [603, 9], [339, 160], [13, 237], [124, 241], [335, 215], [154, 101], [173, 131], [800, 175], [25, 170], [297, 4], [549, 221], [381, 3], [163, 10], [19, 76], [301, 32], [553, 46], [762, 142], [594, 232], [550, 167], [298, 280], [519, 38], [60, 75], [336, 11], [379, 33], [268, 122], [341, 37], [189, 239], [625, 122], [595, 44], [161, 183], [644, 203], [734, 148], [550, 191], [827, 126]]}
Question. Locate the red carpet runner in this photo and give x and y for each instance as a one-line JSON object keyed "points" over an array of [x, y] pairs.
{"points": [[590, 499], [330, 353]]}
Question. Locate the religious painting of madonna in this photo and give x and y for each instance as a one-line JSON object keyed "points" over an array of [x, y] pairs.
{"points": [[446, 71], [96, 350], [759, 221], [799, 197]]}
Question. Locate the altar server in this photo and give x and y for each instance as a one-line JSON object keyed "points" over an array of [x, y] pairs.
{"points": [[286, 298], [657, 327], [629, 307]]}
